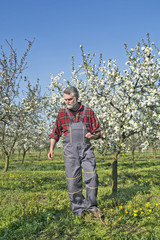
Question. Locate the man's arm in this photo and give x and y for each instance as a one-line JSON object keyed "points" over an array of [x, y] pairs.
{"points": [[52, 146], [95, 132]]}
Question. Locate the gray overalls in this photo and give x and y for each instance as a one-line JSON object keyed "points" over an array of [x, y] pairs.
{"points": [[78, 153]]}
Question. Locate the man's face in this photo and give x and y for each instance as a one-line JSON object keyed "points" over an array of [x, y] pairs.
{"points": [[70, 100]]}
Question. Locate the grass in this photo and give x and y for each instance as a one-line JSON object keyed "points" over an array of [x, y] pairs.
{"points": [[34, 201]]}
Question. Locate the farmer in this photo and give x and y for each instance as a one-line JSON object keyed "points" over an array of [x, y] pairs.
{"points": [[78, 124]]}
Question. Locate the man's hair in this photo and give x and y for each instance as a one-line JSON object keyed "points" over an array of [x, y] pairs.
{"points": [[73, 90]]}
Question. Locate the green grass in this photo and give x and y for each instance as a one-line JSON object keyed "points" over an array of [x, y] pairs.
{"points": [[34, 201]]}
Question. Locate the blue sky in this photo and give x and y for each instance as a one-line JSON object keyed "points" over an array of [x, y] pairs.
{"points": [[61, 26]]}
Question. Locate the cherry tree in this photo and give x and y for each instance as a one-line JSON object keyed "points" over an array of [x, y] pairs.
{"points": [[126, 103], [11, 70], [31, 117]]}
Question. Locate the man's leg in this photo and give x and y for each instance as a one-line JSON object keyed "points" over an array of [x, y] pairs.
{"points": [[90, 178], [74, 179]]}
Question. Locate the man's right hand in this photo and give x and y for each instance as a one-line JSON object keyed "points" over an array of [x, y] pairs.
{"points": [[52, 146], [50, 155]]}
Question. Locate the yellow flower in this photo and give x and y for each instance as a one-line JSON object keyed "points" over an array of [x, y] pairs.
{"points": [[142, 212], [141, 209], [150, 210], [120, 207], [120, 218], [135, 211], [129, 206], [147, 205], [111, 210], [126, 211], [135, 214]]}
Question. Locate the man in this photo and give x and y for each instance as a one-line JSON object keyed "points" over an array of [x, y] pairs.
{"points": [[78, 124]]}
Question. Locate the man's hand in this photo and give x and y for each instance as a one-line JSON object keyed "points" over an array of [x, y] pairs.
{"points": [[52, 146], [90, 136], [50, 155]]}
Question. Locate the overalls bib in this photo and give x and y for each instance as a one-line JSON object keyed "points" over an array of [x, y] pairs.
{"points": [[78, 153]]}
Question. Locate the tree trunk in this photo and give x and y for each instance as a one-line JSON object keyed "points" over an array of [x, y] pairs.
{"points": [[19, 153], [40, 154], [24, 154], [6, 163], [114, 176], [154, 153], [133, 158]]}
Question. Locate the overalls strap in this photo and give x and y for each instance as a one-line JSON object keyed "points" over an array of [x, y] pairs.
{"points": [[82, 118]]}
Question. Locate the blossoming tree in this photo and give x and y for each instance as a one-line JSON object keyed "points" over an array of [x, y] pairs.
{"points": [[127, 103], [16, 112]]}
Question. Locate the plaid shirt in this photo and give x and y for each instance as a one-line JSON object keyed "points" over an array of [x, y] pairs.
{"points": [[63, 121]]}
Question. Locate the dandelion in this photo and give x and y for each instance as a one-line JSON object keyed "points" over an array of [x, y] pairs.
{"points": [[135, 214], [126, 211], [150, 210], [111, 209], [135, 211], [147, 205], [142, 212], [120, 207]]}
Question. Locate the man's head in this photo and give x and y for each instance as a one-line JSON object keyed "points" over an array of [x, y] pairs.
{"points": [[71, 96]]}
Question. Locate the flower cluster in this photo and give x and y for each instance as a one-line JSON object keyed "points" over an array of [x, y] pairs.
{"points": [[130, 212], [18, 181]]}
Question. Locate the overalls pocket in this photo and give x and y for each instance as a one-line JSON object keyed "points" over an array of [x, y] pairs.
{"points": [[68, 150]]}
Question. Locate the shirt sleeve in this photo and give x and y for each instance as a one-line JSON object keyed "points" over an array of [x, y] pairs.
{"points": [[96, 128], [57, 129]]}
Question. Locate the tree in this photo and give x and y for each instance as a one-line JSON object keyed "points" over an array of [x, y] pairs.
{"points": [[126, 103], [11, 70], [31, 117]]}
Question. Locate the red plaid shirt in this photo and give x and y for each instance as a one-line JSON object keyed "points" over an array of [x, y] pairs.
{"points": [[63, 121]]}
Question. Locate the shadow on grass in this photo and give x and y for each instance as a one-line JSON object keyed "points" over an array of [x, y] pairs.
{"points": [[49, 223], [124, 195], [37, 185], [34, 166], [139, 164]]}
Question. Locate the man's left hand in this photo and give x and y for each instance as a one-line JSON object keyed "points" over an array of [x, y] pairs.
{"points": [[89, 135]]}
